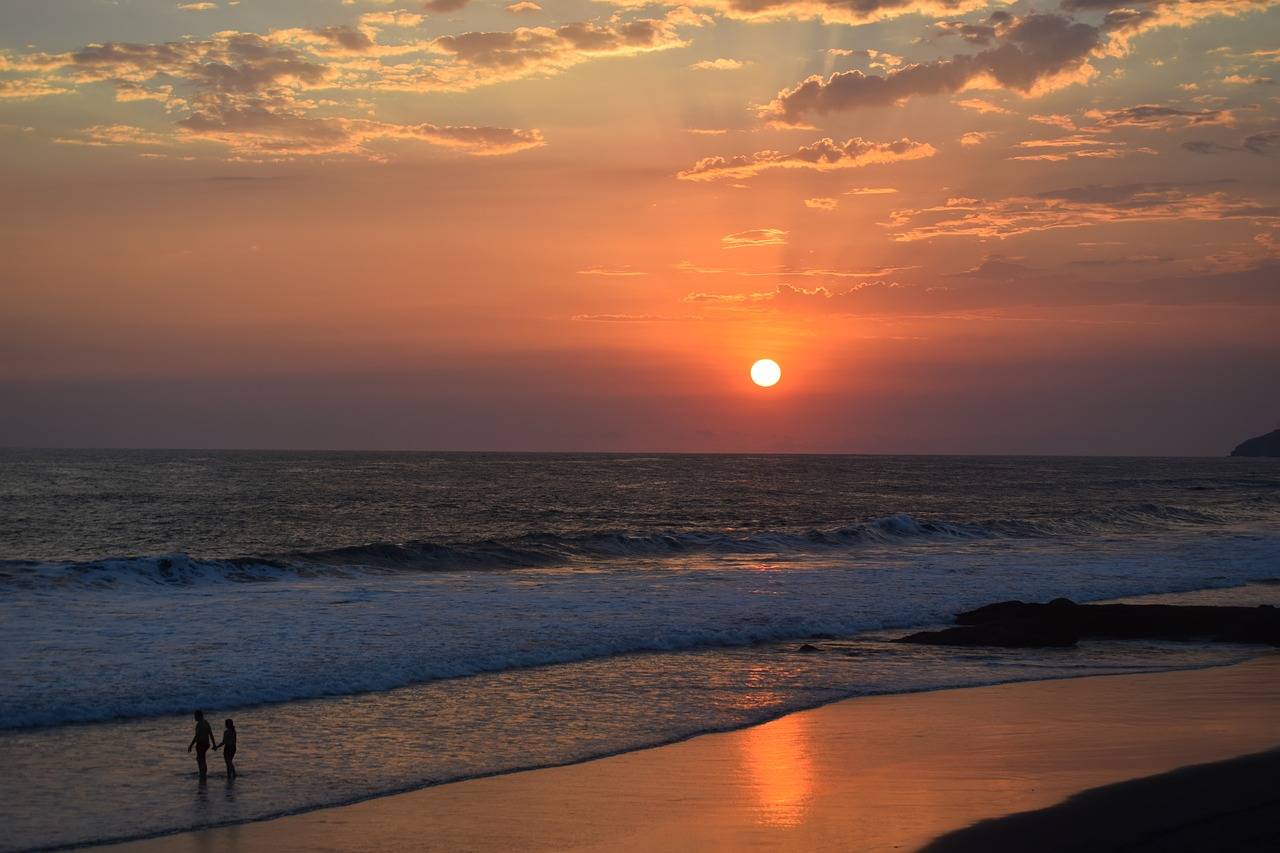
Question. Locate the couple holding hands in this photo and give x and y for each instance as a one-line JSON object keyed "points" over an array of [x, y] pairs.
{"points": [[204, 739]]}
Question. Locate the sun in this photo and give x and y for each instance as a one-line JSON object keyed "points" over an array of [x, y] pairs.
{"points": [[766, 372]]}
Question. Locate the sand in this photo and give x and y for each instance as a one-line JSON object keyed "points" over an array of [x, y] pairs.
{"points": [[869, 774]]}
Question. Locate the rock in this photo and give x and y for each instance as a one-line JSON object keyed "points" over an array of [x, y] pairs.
{"points": [[1262, 445], [1061, 622], [808, 648], [1005, 633]]}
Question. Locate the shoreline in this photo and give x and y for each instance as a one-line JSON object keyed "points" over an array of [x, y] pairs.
{"points": [[871, 773]]}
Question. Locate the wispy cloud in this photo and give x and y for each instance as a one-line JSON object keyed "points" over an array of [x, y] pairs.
{"points": [[1156, 116], [1079, 207], [823, 155], [755, 237], [718, 65]]}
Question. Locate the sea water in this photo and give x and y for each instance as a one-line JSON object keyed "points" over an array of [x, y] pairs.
{"points": [[379, 622]]}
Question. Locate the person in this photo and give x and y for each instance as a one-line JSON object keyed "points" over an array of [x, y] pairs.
{"points": [[201, 742], [228, 747]]}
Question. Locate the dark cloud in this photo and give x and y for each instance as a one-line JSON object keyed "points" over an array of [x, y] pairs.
{"points": [[1204, 146], [233, 62], [1031, 51], [347, 38], [837, 11], [1152, 115], [1263, 144], [444, 6], [983, 34]]}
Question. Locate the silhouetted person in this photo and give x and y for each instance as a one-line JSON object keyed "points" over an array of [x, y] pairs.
{"points": [[228, 747], [202, 741]]}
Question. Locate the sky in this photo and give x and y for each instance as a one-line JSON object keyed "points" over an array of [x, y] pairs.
{"points": [[959, 226]]}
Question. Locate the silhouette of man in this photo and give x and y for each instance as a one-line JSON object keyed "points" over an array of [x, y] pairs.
{"points": [[228, 747], [201, 742]]}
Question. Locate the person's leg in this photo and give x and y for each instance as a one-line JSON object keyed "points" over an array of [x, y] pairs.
{"points": [[231, 768], [204, 767]]}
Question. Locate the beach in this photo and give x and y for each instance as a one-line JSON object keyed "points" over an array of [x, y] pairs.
{"points": [[874, 773]]}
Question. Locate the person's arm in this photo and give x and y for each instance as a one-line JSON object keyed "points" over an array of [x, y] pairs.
{"points": [[193, 742]]}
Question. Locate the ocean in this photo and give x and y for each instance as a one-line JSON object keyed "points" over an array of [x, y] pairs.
{"points": [[381, 622]]}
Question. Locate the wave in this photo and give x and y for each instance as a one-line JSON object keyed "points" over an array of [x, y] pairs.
{"points": [[544, 550], [536, 550]]}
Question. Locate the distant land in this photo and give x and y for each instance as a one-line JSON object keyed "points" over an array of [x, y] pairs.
{"points": [[1263, 445]]}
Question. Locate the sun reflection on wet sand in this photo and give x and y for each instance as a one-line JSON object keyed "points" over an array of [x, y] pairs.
{"points": [[778, 767]]}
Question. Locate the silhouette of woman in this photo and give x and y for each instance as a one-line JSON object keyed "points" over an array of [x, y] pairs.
{"points": [[228, 747]]}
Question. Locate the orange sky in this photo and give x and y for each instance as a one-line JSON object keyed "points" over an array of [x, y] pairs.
{"points": [[959, 226]]}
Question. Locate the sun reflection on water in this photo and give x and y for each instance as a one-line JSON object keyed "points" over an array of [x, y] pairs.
{"points": [[778, 767]]}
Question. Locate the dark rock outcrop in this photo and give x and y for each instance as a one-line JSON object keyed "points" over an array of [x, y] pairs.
{"points": [[1061, 622], [1263, 445]]}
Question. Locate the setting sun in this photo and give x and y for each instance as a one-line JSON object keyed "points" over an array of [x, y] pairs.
{"points": [[766, 372]]}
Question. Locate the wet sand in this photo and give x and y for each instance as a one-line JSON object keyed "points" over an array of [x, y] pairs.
{"points": [[868, 774]]}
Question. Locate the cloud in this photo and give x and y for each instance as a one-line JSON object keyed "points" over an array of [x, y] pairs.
{"points": [[1035, 54], [522, 8], [1262, 144], [1077, 146], [197, 7], [718, 65], [117, 134], [1153, 115], [256, 93], [835, 11], [1203, 146], [755, 237], [1005, 283], [1237, 80], [791, 271], [821, 203], [1064, 122], [646, 318], [244, 91], [263, 132], [399, 18], [1078, 207], [1126, 19], [983, 106], [444, 6], [624, 271], [823, 155], [21, 90], [861, 298], [484, 58], [229, 62]]}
